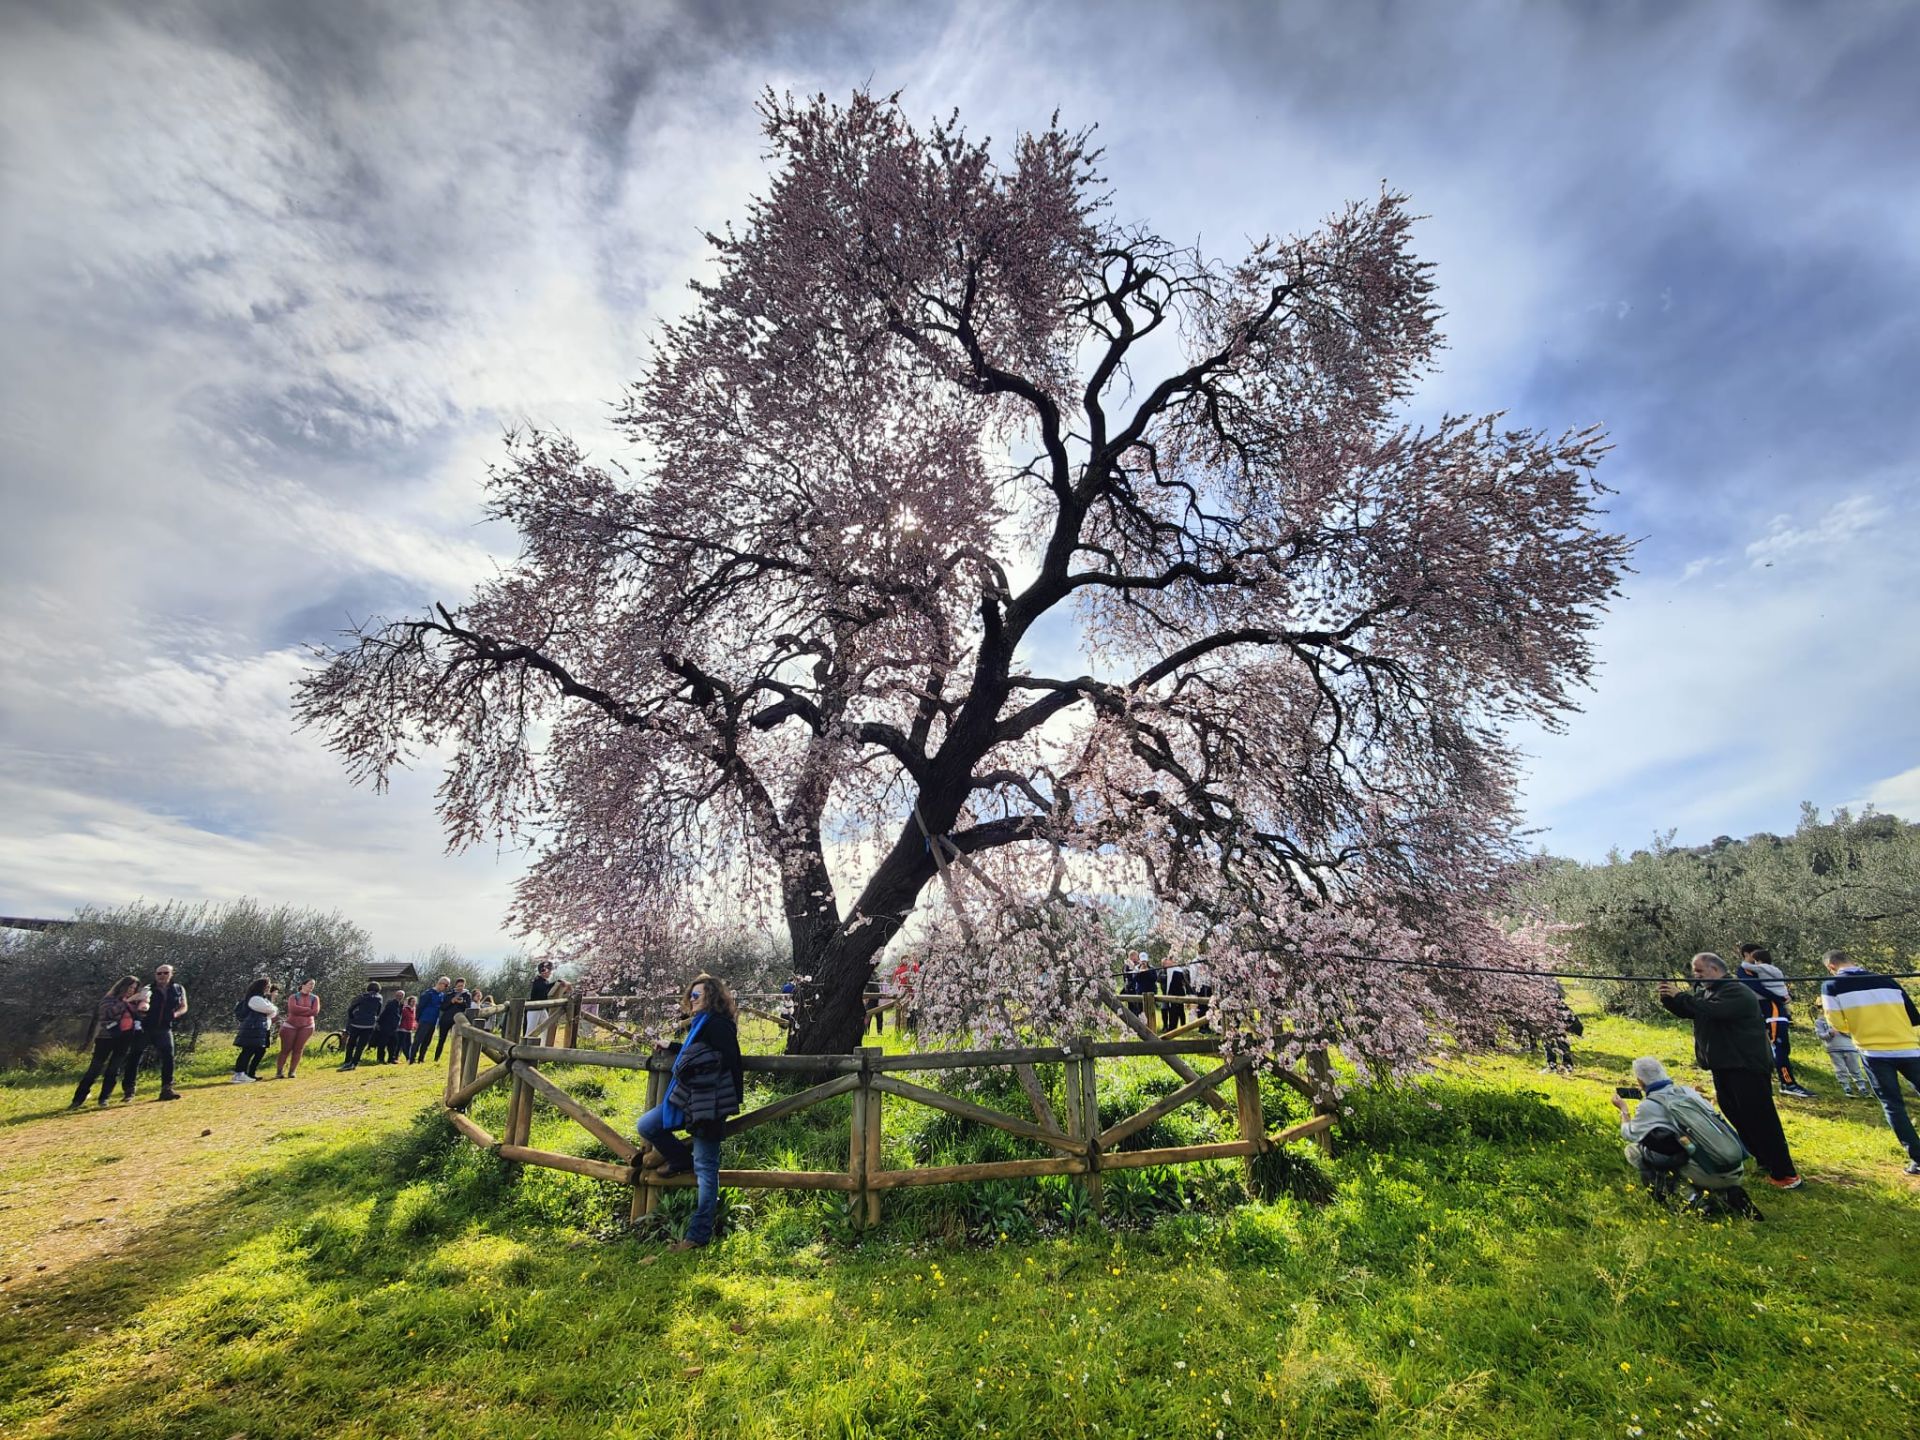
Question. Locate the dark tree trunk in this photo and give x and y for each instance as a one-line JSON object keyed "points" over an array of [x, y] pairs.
{"points": [[830, 1015]]}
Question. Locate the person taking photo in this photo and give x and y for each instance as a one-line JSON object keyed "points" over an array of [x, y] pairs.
{"points": [[1730, 1044]]}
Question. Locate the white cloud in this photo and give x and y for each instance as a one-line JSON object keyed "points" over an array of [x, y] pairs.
{"points": [[1721, 705], [66, 847], [1897, 794], [1846, 522]]}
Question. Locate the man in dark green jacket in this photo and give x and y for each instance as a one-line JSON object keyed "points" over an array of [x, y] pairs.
{"points": [[1730, 1044]]}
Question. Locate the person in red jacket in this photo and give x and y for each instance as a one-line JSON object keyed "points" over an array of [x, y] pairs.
{"points": [[409, 1022]]}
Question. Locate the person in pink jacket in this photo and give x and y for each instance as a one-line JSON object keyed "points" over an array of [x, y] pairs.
{"points": [[296, 1028]]}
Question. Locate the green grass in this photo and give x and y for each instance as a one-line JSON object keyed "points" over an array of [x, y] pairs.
{"points": [[1482, 1268]]}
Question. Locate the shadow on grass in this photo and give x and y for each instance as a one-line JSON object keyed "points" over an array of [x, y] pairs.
{"points": [[301, 1264]]}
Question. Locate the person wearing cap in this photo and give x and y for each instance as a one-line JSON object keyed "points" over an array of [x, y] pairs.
{"points": [[1730, 1044], [363, 1015], [1881, 1017]]}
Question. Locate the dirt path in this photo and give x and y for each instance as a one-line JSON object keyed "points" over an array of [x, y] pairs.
{"points": [[74, 1184]]}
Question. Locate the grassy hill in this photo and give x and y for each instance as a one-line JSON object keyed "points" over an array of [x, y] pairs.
{"points": [[320, 1257]]}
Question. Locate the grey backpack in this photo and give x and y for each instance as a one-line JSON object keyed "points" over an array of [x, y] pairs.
{"points": [[1710, 1139]]}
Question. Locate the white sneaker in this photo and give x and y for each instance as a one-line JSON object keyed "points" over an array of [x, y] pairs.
{"points": [[238, 1078]]}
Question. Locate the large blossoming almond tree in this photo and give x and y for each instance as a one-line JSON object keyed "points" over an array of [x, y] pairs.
{"points": [[979, 554]]}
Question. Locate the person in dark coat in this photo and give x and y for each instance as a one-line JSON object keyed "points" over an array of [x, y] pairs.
{"points": [[704, 1089], [166, 1006], [455, 1003], [1730, 1044], [363, 1015], [253, 1019], [386, 1030], [115, 1043]]}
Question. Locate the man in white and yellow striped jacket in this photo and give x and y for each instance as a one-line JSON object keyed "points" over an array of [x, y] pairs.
{"points": [[1882, 1019]]}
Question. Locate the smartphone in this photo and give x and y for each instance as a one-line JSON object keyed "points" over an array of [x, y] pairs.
{"points": [[1628, 1092]]}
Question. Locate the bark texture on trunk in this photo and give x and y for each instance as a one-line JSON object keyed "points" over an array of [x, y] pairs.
{"points": [[830, 1015]]}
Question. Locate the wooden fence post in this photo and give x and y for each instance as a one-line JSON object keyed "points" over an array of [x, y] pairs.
{"points": [[573, 1022], [868, 1055], [646, 1198], [1070, 1095], [470, 1057], [519, 1126], [1253, 1122], [863, 1098], [453, 1068], [1090, 1121]]}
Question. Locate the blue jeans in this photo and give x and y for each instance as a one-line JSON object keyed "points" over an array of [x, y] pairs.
{"points": [[703, 1158], [1885, 1071]]}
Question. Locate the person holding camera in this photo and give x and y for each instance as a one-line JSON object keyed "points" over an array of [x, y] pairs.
{"points": [[1674, 1133], [1730, 1044]]}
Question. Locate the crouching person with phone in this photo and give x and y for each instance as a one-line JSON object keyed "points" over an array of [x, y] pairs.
{"points": [[703, 1090], [1674, 1134]]}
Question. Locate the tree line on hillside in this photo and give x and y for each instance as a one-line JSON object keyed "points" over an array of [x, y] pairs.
{"points": [[51, 980], [1848, 883]]}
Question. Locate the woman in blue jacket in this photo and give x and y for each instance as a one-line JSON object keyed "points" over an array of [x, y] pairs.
{"points": [[703, 1090]]}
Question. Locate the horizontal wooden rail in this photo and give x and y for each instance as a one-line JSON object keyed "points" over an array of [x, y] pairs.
{"points": [[579, 1165], [972, 1059], [1116, 1049], [1180, 1154], [757, 1064], [982, 1170]]}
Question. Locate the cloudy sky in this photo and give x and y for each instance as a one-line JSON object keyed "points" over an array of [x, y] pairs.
{"points": [[274, 276]]}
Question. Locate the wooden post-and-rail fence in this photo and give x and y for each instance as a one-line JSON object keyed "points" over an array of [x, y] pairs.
{"points": [[1079, 1146]]}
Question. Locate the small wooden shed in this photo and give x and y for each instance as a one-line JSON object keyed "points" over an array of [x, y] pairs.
{"points": [[392, 972]]}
